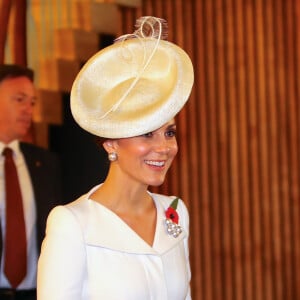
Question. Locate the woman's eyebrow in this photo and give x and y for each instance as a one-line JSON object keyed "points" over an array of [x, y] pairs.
{"points": [[172, 125]]}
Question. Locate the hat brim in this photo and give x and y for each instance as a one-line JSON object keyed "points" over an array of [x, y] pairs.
{"points": [[114, 97]]}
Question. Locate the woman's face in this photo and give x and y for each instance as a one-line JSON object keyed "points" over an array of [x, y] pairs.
{"points": [[147, 158]]}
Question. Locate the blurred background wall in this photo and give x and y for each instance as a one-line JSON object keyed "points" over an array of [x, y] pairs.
{"points": [[238, 168]]}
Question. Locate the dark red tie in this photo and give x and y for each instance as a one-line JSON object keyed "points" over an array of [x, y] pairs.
{"points": [[15, 264]]}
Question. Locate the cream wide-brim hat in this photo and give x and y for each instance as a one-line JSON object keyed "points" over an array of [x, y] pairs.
{"points": [[131, 88]]}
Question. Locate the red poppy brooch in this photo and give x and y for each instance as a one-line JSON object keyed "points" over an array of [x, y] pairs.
{"points": [[172, 219]]}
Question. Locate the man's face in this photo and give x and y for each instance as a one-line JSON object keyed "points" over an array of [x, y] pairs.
{"points": [[17, 98]]}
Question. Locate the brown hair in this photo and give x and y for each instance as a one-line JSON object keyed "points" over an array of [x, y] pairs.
{"points": [[14, 71]]}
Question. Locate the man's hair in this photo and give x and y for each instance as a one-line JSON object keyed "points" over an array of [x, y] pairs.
{"points": [[14, 71]]}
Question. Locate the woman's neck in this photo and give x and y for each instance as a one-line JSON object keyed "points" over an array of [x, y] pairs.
{"points": [[120, 194]]}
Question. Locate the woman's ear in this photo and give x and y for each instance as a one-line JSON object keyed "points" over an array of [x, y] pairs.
{"points": [[109, 146]]}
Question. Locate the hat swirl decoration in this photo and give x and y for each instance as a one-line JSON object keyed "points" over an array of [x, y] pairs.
{"points": [[146, 27], [135, 85]]}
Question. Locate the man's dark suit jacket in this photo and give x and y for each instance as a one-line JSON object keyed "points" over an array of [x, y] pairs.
{"points": [[45, 173]]}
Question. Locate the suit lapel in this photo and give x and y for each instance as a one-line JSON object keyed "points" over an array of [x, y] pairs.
{"points": [[34, 164]]}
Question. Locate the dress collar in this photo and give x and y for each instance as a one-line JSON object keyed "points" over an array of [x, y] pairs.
{"points": [[119, 236]]}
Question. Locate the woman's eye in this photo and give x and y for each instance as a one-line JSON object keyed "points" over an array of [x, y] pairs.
{"points": [[148, 134], [171, 133]]}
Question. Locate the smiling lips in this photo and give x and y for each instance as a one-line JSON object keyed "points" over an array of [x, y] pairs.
{"points": [[155, 163]]}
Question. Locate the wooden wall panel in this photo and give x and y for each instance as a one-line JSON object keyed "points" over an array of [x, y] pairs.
{"points": [[5, 7], [13, 31], [238, 168]]}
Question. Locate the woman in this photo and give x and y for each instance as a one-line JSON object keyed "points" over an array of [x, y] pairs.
{"points": [[119, 241]]}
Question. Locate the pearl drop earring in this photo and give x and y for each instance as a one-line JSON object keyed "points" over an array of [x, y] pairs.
{"points": [[113, 156]]}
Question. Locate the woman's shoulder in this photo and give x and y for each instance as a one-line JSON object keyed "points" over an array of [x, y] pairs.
{"points": [[68, 211], [166, 200]]}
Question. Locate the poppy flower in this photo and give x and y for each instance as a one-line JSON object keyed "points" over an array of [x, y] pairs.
{"points": [[171, 212], [172, 219]]}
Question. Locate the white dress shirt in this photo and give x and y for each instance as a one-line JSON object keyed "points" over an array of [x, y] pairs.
{"points": [[29, 281]]}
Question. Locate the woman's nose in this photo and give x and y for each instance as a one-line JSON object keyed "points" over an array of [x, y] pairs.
{"points": [[163, 145]]}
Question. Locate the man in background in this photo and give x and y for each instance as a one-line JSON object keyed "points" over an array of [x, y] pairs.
{"points": [[39, 185]]}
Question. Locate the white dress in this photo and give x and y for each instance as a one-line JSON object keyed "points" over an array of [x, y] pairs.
{"points": [[89, 253]]}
